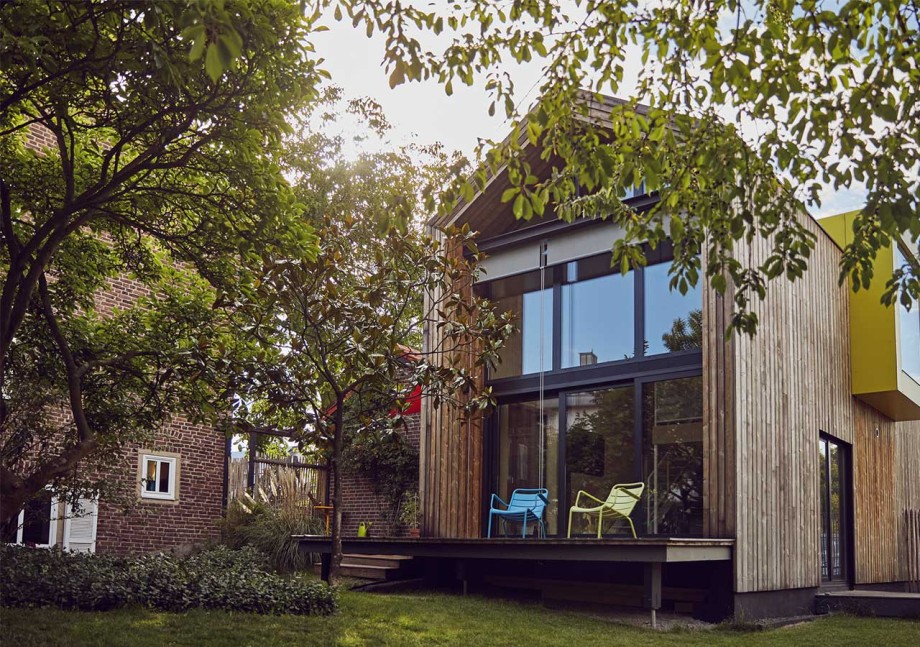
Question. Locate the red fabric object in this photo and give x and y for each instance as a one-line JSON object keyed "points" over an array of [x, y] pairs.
{"points": [[414, 402]]}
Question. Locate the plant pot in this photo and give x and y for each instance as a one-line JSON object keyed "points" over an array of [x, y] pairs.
{"points": [[415, 533]]}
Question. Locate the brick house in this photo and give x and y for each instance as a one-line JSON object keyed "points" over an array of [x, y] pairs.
{"points": [[176, 480]]}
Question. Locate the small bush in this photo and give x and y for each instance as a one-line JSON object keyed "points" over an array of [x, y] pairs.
{"points": [[221, 578], [279, 508], [269, 529]]}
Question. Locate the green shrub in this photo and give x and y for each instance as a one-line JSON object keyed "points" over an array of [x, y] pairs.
{"points": [[221, 578], [268, 528], [279, 508]]}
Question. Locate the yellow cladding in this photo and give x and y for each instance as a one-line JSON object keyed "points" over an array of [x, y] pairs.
{"points": [[874, 356]]}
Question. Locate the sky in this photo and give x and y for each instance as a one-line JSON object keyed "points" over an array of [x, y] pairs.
{"points": [[423, 113]]}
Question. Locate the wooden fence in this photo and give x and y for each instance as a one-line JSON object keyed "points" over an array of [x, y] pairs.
{"points": [[308, 482], [912, 541]]}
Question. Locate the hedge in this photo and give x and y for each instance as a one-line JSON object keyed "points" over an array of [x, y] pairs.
{"points": [[220, 578]]}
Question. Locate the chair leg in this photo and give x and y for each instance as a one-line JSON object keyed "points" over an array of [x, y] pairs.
{"points": [[632, 526], [489, 533], [569, 534], [600, 523]]}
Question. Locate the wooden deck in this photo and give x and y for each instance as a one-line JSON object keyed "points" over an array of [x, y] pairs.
{"points": [[643, 550], [651, 552]]}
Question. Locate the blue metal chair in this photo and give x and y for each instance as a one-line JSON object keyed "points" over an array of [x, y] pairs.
{"points": [[526, 506]]}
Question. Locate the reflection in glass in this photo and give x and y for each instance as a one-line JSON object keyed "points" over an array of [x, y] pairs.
{"points": [[833, 496], [910, 331], [597, 314], [672, 457], [533, 320], [673, 321], [599, 449], [528, 455], [150, 482], [822, 495]]}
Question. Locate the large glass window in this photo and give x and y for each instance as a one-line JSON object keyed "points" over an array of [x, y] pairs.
{"points": [[528, 452], [530, 349], [910, 331], [673, 321], [599, 449], [672, 457], [597, 314]]}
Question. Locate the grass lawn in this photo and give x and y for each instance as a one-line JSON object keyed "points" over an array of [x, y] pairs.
{"points": [[413, 619]]}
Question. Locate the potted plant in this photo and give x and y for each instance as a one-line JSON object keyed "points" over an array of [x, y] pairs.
{"points": [[409, 514]]}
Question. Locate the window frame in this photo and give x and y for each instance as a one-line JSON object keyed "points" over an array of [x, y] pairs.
{"points": [[640, 363], [52, 525], [172, 493]]}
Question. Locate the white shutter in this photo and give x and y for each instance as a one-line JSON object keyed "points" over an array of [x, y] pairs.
{"points": [[80, 527]]}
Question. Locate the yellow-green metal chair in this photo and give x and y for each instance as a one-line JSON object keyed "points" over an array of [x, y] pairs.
{"points": [[620, 502]]}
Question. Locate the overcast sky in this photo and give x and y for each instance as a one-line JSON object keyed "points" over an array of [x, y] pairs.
{"points": [[423, 112]]}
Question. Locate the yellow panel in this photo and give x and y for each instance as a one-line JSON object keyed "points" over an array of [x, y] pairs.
{"points": [[876, 375]]}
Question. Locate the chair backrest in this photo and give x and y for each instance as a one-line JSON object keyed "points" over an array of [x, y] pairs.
{"points": [[623, 497], [529, 499]]}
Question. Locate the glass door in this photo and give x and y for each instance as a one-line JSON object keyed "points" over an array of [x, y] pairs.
{"points": [[833, 493], [599, 449], [528, 452]]}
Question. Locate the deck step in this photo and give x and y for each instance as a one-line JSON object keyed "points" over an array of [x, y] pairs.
{"points": [[376, 568]]}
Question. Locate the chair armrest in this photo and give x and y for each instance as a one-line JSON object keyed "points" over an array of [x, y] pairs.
{"points": [[588, 495], [492, 502]]}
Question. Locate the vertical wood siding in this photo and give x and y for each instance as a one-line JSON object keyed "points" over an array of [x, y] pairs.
{"points": [[718, 418], [450, 469], [886, 480], [792, 381]]}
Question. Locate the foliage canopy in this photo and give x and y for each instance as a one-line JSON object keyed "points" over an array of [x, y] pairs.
{"points": [[755, 108], [127, 155]]}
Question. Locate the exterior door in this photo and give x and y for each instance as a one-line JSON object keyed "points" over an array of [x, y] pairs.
{"points": [[834, 490]]}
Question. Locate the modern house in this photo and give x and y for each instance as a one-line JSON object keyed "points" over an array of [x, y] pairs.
{"points": [[775, 466], [174, 484]]}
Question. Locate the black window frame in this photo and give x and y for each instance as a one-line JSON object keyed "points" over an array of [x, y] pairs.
{"points": [[557, 377]]}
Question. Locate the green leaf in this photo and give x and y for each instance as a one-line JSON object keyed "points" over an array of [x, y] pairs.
{"points": [[518, 207], [509, 194], [197, 48], [212, 63]]}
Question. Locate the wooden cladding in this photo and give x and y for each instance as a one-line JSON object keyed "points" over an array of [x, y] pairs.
{"points": [[718, 418], [886, 484], [792, 380], [451, 453]]}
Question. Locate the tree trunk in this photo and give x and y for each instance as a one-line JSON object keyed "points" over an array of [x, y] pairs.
{"points": [[338, 442], [16, 490]]}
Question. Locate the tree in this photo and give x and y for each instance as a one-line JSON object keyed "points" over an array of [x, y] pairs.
{"points": [[164, 121], [755, 108], [340, 324], [685, 334]]}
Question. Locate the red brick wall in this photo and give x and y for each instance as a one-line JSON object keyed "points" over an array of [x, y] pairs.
{"points": [[157, 525], [360, 502], [153, 525]]}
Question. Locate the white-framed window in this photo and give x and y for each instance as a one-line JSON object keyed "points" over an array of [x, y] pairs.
{"points": [[36, 524], [158, 476]]}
